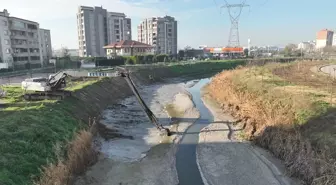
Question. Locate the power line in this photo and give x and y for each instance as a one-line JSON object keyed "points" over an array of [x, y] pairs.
{"points": [[234, 18]]}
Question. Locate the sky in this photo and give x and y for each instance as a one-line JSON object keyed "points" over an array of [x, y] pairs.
{"points": [[200, 22]]}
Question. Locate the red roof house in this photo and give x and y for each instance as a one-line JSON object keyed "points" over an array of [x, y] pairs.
{"points": [[128, 48]]}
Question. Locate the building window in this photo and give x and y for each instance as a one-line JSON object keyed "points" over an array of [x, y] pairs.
{"points": [[6, 32], [6, 41], [5, 23], [7, 50], [35, 58], [117, 32], [18, 24], [118, 37]]}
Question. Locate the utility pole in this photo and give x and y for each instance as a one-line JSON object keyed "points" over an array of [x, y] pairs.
{"points": [[234, 18]]}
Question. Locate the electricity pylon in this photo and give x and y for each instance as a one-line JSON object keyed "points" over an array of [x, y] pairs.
{"points": [[234, 31]]}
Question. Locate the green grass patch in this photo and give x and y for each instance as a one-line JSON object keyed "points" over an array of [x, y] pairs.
{"points": [[29, 132]]}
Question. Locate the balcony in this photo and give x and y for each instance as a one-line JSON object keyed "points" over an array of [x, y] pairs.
{"points": [[23, 54], [17, 36]]}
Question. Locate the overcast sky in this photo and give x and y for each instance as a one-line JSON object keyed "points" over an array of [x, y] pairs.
{"points": [[200, 22]]}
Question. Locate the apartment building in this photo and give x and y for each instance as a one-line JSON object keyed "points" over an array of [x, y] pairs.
{"points": [[160, 32], [20, 42], [324, 38], [97, 27], [45, 41]]}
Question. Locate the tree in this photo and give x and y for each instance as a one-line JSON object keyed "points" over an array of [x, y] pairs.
{"points": [[246, 52], [289, 49], [65, 52], [181, 54]]}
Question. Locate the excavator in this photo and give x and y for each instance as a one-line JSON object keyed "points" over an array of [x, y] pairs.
{"points": [[51, 88], [125, 74]]}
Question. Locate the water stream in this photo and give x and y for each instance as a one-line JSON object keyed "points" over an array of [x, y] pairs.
{"points": [[186, 163]]}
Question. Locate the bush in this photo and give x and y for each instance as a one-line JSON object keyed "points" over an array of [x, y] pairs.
{"points": [[161, 57], [130, 61], [111, 62], [154, 59], [173, 60], [149, 59], [139, 59]]}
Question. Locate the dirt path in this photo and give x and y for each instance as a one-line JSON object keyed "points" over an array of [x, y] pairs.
{"points": [[224, 160]]}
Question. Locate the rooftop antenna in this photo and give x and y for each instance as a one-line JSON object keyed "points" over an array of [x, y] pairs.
{"points": [[234, 18]]}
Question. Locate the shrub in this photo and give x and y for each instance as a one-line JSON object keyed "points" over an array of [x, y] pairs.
{"points": [[129, 61], [139, 59], [149, 59], [161, 57], [154, 59]]}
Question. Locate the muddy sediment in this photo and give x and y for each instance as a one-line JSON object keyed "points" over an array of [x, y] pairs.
{"points": [[147, 158]]}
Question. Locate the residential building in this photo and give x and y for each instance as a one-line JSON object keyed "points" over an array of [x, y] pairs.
{"points": [[160, 32], [306, 46], [334, 40], [324, 38], [97, 27], [128, 48], [45, 41], [20, 43], [119, 27]]}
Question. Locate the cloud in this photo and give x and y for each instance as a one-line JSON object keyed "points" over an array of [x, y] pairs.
{"points": [[41, 10]]}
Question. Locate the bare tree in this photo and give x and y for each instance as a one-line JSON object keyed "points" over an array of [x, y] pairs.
{"points": [[65, 52]]}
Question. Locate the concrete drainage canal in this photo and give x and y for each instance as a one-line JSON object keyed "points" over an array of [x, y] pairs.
{"points": [[133, 152]]}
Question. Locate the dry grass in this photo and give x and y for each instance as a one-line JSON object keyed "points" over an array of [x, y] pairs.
{"points": [[281, 121], [80, 155]]}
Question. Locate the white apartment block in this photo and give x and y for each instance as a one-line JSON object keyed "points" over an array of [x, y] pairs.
{"points": [[306, 46], [45, 41], [20, 43], [160, 32], [97, 28], [324, 38]]}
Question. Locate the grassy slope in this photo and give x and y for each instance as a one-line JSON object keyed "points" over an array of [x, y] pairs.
{"points": [[29, 132], [284, 115], [205, 67]]}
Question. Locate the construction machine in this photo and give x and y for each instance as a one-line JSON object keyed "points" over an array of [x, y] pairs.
{"points": [[51, 88], [125, 74]]}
